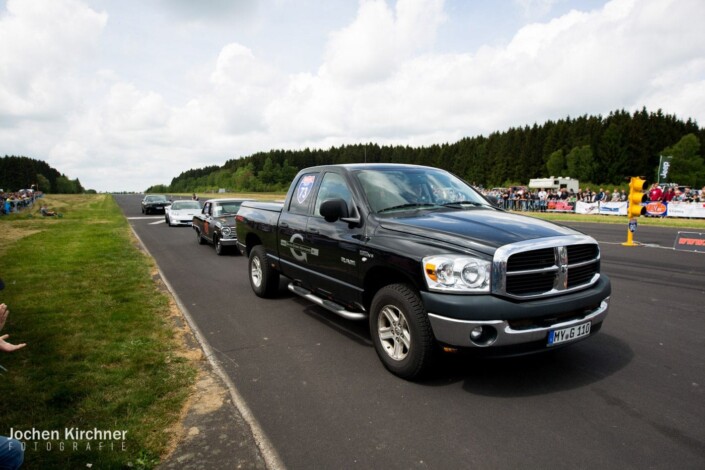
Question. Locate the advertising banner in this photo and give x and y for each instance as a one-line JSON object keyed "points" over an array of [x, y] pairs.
{"points": [[613, 208], [690, 241], [561, 206], [693, 210], [657, 209], [663, 167], [587, 207]]}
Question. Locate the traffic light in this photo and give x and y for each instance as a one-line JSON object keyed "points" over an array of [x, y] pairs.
{"points": [[637, 195]]}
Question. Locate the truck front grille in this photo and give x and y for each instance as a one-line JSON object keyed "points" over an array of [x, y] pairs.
{"points": [[546, 267]]}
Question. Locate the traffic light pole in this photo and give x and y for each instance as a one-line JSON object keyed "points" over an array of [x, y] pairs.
{"points": [[630, 234], [635, 209]]}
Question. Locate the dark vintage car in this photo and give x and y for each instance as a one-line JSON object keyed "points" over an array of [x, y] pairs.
{"points": [[154, 203], [216, 223]]}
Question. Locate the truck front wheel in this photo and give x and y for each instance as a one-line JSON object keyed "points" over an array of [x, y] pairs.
{"points": [[199, 238], [264, 279], [219, 248], [401, 331]]}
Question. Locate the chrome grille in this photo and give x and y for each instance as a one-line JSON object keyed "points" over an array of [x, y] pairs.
{"points": [[546, 267]]}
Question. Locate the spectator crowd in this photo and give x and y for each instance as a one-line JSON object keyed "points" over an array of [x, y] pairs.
{"points": [[521, 198], [17, 201]]}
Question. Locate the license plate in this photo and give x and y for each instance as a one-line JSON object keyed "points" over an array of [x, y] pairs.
{"points": [[568, 334]]}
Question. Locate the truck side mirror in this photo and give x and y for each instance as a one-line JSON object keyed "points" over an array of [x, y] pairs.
{"points": [[334, 209]]}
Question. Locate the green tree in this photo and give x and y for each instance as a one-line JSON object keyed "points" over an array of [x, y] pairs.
{"points": [[64, 185], [556, 163], [43, 183], [614, 163], [580, 163], [687, 166]]}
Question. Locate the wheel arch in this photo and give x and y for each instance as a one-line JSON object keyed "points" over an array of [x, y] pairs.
{"points": [[381, 276], [251, 241]]}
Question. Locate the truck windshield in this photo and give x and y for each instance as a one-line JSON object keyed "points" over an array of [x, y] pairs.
{"points": [[389, 189]]}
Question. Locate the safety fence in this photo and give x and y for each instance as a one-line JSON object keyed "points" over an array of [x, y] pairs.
{"points": [[692, 210]]}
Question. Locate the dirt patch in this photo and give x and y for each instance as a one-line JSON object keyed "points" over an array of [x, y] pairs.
{"points": [[208, 394], [11, 235]]}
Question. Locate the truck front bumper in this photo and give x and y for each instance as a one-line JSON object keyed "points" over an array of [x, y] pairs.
{"points": [[228, 241], [488, 322]]}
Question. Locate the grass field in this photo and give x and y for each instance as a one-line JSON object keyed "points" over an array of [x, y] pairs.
{"points": [[102, 348]]}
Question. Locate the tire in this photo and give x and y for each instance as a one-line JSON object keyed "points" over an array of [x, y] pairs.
{"points": [[220, 250], [264, 279], [199, 238], [401, 331]]}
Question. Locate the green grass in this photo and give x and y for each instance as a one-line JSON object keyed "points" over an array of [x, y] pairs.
{"points": [[102, 351]]}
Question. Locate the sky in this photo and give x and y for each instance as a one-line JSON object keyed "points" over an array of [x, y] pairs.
{"points": [[127, 94]]}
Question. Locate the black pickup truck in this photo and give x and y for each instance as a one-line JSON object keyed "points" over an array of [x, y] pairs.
{"points": [[427, 261]]}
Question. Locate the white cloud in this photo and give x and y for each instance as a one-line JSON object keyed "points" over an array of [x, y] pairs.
{"points": [[382, 78], [42, 45], [379, 40]]}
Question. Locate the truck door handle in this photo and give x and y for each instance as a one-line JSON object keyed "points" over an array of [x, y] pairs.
{"points": [[313, 230], [283, 224]]}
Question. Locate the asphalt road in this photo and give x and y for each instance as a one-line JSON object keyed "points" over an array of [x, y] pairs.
{"points": [[630, 397]]}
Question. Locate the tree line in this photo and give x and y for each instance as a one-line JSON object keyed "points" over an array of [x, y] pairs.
{"points": [[24, 173], [593, 149]]}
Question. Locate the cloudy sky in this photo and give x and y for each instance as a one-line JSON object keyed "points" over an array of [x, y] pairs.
{"points": [[126, 94]]}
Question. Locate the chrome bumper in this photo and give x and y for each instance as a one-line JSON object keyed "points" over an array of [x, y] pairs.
{"points": [[457, 332]]}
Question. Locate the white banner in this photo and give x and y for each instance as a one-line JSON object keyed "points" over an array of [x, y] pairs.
{"points": [[613, 208], [587, 207], [695, 210]]}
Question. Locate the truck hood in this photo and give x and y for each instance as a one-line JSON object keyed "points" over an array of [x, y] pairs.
{"points": [[478, 229], [227, 220]]}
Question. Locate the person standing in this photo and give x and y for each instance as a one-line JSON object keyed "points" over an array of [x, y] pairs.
{"points": [[11, 453], [655, 193]]}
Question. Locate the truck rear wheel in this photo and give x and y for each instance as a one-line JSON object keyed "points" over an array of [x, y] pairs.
{"points": [[264, 279], [401, 331]]}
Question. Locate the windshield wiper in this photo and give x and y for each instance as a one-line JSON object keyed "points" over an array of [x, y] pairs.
{"points": [[460, 203], [406, 206]]}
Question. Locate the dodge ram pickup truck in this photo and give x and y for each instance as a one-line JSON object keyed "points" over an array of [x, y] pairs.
{"points": [[427, 261]]}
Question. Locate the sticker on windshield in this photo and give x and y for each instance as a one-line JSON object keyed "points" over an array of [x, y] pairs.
{"points": [[305, 188]]}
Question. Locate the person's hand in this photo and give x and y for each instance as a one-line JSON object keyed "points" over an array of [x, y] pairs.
{"points": [[7, 347], [4, 345], [3, 315]]}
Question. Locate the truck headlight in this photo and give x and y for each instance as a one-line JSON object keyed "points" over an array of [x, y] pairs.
{"points": [[226, 231], [457, 273]]}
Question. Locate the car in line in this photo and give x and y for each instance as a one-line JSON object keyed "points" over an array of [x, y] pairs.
{"points": [[181, 212], [154, 203], [215, 224]]}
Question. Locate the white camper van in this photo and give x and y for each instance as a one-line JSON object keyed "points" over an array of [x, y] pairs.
{"points": [[555, 182]]}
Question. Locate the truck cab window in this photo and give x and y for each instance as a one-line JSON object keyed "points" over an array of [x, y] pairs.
{"points": [[333, 186], [301, 198]]}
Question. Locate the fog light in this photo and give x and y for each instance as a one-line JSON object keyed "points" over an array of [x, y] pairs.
{"points": [[476, 333], [483, 335]]}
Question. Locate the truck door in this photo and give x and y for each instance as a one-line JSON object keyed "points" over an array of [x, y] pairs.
{"points": [[207, 219], [336, 243], [295, 252]]}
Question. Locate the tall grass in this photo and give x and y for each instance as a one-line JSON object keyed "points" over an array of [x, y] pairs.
{"points": [[101, 348]]}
